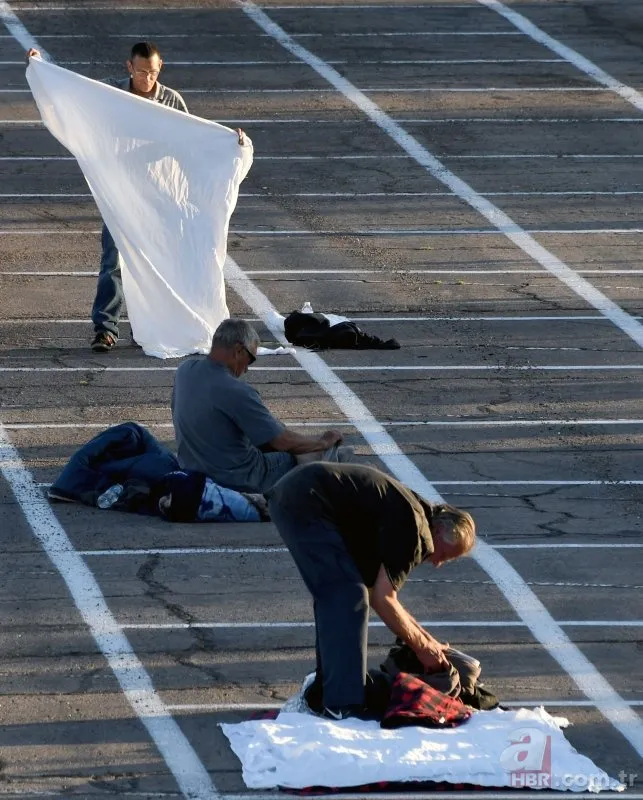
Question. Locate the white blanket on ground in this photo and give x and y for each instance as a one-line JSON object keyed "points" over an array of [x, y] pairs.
{"points": [[298, 750], [166, 184]]}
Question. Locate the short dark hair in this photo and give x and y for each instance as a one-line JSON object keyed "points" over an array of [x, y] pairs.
{"points": [[144, 50]]}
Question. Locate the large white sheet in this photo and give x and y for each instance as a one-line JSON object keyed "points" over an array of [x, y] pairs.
{"points": [[166, 185], [298, 750]]}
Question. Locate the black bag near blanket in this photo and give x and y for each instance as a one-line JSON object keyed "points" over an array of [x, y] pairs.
{"points": [[315, 332]]}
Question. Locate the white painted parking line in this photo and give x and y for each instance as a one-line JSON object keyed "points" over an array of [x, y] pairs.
{"points": [[397, 90], [484, 423], [240, 707], [67, 9], [541, 483], [365, 368], [384, 273], [392, 318], [46, 194], [415, 121], [271, 63], [573, 623], [582, 63], [439, 232], [517, 156], [387, 272], [324, 35], [510, 120], [184, 707], [401, 157], [184, 551], [168, 626], [200, 551], [564, 545], [509, 794], [344, 6], [382, 232], [449, 423], [518, 235], [353, 195]]}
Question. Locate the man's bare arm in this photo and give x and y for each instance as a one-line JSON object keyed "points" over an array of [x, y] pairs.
{"points": [[384, 601], [290, 442]]}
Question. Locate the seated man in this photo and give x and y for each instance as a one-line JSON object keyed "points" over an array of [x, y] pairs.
{"points": [[355, 534], [222, 427]]}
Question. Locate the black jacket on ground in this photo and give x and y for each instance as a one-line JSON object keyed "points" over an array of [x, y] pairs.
{"points": [[315, 332]]}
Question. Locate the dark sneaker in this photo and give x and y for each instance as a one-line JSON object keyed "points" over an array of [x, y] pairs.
{"points": [[103, 342]]}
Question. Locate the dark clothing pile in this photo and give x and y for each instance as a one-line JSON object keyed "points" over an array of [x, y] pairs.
{"points": [[315, 332], [399, 701], [459, 680], [127, 456]]}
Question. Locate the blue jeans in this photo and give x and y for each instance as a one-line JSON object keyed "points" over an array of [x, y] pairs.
{"points": [[106, 310], [340, 599], [276, 466]]}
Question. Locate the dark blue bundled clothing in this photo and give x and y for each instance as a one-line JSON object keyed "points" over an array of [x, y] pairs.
{"points": [[121, 454], [129, 455]]}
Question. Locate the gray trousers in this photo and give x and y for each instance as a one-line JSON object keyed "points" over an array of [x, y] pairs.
{"points": [[340, 601]]}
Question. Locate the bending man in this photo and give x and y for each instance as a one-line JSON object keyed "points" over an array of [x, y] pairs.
{"points": [[355, 534]]}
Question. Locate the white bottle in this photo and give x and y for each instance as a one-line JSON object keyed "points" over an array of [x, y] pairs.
{"points": [[108, 498], [307, 308]]}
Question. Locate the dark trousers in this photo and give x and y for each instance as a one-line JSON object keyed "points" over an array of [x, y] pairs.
{"points": [[109, 290], [340, 602]]}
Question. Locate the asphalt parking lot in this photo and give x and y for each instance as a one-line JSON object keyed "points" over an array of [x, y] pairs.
{"points": [[462, 176]]}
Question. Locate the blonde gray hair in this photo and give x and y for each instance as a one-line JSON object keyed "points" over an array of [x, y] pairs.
{"points": [[455, 527]]}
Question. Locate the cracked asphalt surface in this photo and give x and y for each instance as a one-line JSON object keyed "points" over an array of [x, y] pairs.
{"points": [[539, 456]]}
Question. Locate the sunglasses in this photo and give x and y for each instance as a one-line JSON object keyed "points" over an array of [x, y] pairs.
{"points": [[251, 356]]}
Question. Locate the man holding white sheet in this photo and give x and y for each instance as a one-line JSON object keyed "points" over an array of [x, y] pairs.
{"points": [[144, 67]]}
